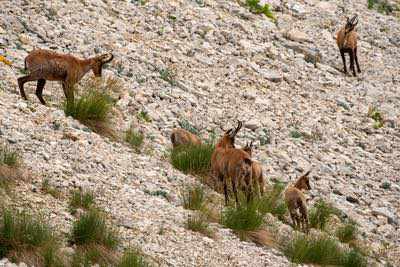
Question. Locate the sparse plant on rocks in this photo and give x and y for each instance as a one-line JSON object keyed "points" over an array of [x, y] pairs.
{"points": [[320, 213], [193, 197], [81, 199], [185, 124], [132, 258], [198, 223], [168, 75], [134, 138], [8, 156], [48, 189], [376, 115], [347, 232], [257, 8], [144, 116]]}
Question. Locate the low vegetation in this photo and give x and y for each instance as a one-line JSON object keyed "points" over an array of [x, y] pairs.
{"points": [[320, 213], [144, 116], [193, 197], [381, 5], [194, 159], [272, 202], [81, 199], [24, 237], [323, 251], [48, 189], [8, 156], [376, 115], [243, 218], [91, 229], [134, 138], [92, 109], [347, 232], [255, 7], [10, 162], [185, 124], [168, 75], [198, 223], [132, 258]]}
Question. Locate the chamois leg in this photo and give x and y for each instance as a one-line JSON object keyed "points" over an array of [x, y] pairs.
{"points": [[235, 192], [352, 62], [21, 82], [39, 90], [356, 58], [249, 189], [293, 216], [304, 217], [68, 92], [261, 185], [226, 192], [344, 60]]}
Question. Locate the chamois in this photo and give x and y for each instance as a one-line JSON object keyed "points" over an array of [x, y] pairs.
{"points": [[295, 200], [346, 39], [181, 136], [45, 65], [231, 163], [256, 169]]}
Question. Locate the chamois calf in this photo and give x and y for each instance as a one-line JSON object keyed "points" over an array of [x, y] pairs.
{"points": [[295, 200], [230, 163], [180, 137], [256, 169], [346, 39], [45, 65]]}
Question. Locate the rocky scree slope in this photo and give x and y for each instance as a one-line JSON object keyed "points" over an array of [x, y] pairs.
{"points": [[282, 79]]}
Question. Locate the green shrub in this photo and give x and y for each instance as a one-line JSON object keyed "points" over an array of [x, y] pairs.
{"points": [[144, 116], [195, 159], [22, 233], [89, 255], [321, 250], [273, 203], [92, 107], [242, 218], [134, 138], [255, 7], [8, 156], [193, 198], [371, 3], [198, 223], [91, 229], [132, 258], [296, 134], [319, 214], [347, 232], [81, 199], [376, 115]]}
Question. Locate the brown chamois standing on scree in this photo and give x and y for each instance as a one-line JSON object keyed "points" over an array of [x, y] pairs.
{"points": [[295, 200], [48, 65], [256, 169], [181, 136], [228, 162], [346, 40]]}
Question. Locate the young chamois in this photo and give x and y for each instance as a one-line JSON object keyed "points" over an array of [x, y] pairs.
{"points": [[346, 39], [230, 163], [45, 65], [180, 137], [256, 169], [295, 200]]}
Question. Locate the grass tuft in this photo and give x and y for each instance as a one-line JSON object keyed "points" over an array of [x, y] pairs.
{"points": [[91, 229], [168, 75], [25, 236], [347, 232], [245, 217], [193, 198], [144, 116], [132, 258], [273, 203], [198, 223], [195, 159], [81, 199], [48, 189], [134, 138], [9, 157], [376, 115], [319, 214]]}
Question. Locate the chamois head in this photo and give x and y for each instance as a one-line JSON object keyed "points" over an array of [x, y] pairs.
{"points": [[228, 140], [303, 182], [99, 61], [351, 24], [248, 148]]}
